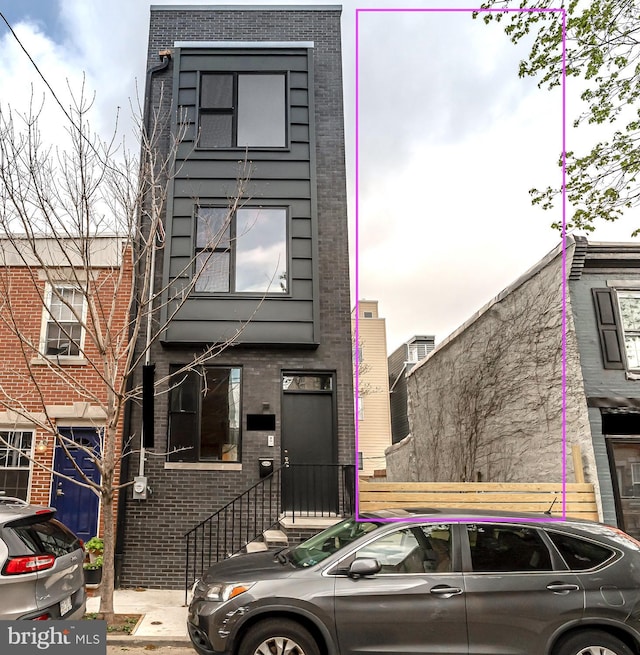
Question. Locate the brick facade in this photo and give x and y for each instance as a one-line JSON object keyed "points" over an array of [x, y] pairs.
{"points": [[66, 393], [153, 549]]}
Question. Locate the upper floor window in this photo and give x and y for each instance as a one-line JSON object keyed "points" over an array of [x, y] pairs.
{"points": [[629, 302], [242, 110], [63, 333], [245, 252], [417, 351]]}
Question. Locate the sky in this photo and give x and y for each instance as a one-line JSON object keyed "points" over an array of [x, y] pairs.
{"points": [[449, 140]]}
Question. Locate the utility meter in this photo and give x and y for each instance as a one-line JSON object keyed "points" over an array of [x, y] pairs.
{"points": [[140, 487]]}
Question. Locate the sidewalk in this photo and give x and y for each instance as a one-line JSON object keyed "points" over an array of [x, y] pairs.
{"points": [[164, 616]]}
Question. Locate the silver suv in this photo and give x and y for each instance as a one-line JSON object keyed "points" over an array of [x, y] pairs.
{"points": [[429, 582], [41, 575]]}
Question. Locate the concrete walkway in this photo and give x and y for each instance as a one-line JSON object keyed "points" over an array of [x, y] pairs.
{"points": [[164, 616]]}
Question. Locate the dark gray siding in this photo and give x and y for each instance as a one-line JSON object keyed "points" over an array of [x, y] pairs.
{"points": [[278, 177], [398, 393]]}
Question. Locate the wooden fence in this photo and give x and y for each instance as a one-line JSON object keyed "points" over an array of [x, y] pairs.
{"points": [[513, 497]]}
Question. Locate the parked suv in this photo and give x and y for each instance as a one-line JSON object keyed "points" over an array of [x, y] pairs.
{"points": [[430, 582], [41, 575]]}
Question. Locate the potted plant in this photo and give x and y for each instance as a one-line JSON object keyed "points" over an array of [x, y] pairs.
{"points": [[93, 571], [95, 548]]}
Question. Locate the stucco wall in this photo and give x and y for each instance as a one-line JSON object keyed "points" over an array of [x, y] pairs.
{"points": [[487, 403]]}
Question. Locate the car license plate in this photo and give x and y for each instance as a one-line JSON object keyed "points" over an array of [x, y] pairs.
{"points": [[65, 606]]}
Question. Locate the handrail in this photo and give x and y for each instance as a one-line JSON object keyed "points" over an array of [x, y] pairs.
{"points": [[293, 489], [203, 548]]}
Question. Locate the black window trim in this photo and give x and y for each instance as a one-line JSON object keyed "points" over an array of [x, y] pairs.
{"points": [[232, 252], [193, 454], [234, 111]]}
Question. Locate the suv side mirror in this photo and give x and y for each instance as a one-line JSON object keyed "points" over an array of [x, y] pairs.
{"points": [[364, 566]]}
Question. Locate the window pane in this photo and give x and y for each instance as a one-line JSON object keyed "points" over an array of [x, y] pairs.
{"points": [[212, 271], [630, 310], [220, 419], [216, 91], [13, 442], [66, 304], [579, 554], [632, 346], [261, 250], [501, 548], [213, 228], [307, 382], [216, 131], [63, 339], [261, 110], [412, 550]]}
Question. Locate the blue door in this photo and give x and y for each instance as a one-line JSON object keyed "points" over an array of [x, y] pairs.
{"points": [[77, 506]]}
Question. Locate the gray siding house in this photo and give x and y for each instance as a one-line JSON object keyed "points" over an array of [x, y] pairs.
{"points": [[487, 403], [604, 283], [255, 96]]}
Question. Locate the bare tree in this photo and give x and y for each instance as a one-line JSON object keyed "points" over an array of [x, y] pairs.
{"points": [[58, 208]]}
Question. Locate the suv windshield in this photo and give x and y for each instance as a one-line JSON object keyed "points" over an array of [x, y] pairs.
{"points": [[329, 541]]}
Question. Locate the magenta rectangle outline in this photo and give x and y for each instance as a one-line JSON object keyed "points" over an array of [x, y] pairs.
{"points": [[563, 13]]}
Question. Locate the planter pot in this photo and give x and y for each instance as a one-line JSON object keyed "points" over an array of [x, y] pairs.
{"points": [[92, 576]]}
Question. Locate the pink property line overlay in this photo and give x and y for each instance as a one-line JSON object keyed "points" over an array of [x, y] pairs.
{"points": [[563, 237]]}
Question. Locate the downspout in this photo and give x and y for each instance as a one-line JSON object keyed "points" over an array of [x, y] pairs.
{"points": [[124, 465], [166, 58]]}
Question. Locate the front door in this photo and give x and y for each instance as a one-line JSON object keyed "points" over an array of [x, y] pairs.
{"points": [[309, 444], [624, 456], [77, 506]]}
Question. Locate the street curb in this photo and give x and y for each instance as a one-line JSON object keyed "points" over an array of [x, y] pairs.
{"points": [[139, 640]]}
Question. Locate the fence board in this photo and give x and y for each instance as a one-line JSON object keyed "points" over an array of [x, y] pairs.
{"points": [[579, 498]]}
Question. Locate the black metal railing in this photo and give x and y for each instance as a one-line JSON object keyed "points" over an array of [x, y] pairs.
{"points": [[318, 490], [292, 490], [232, 527]]}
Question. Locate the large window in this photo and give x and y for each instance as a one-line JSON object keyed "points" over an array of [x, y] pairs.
{"points": [[14, 465], [420, 549], [63, 321], [245, 252], [242, 110], [629, 302], [205, 415], [504, 548]]}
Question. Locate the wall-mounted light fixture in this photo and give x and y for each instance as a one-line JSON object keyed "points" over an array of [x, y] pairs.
{"points": [[41, 446], [265, 407]]}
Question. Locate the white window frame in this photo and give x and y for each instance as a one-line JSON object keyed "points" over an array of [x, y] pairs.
{"points": [[47, 319], [624, 331], [17, 455]]}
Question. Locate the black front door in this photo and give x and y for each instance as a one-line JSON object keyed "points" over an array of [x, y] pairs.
{"points": [[310, 483]]}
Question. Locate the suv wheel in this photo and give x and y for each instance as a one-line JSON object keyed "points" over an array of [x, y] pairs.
{"points": [[279, 637], [592, 642]]}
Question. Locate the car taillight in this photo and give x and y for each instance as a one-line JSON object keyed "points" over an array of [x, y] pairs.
{"points": [[29, 564], [42, 617], [624, 535]]}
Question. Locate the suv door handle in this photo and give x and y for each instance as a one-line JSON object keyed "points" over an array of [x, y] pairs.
{"points": [[444, 590], [562, 587]]}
